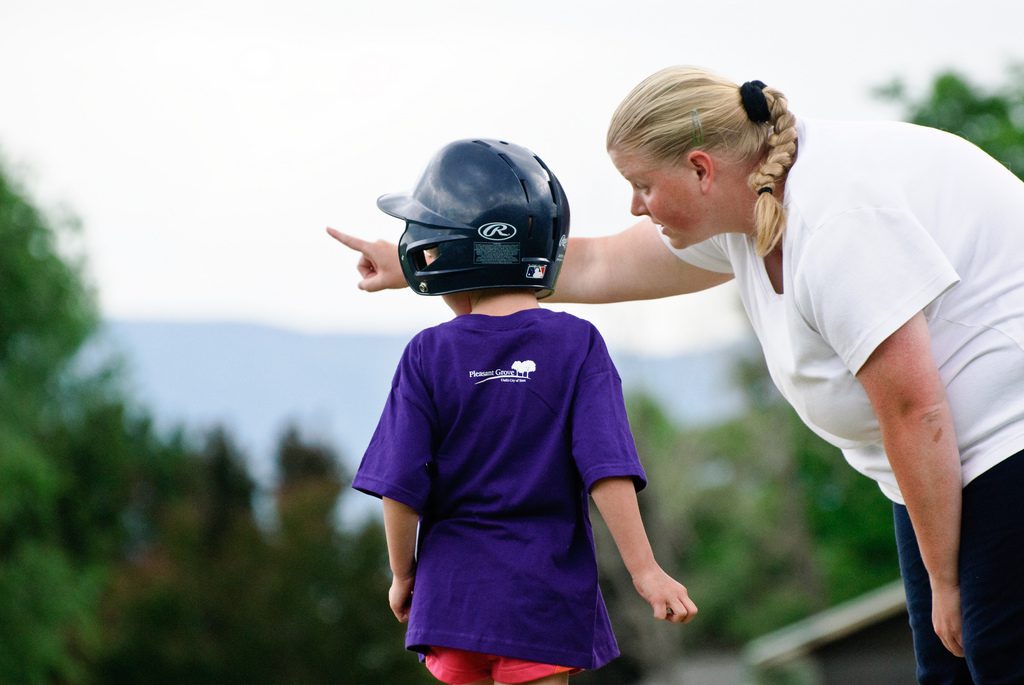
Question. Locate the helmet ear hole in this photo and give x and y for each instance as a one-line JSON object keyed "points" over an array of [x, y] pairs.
{"points": [[418, 259], [424, 257]]}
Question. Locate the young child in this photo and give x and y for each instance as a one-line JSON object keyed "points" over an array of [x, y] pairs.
{"points": [[499, 426]]}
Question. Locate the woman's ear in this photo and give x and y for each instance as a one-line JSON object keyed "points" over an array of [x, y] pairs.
{"points": [[703, 165]]}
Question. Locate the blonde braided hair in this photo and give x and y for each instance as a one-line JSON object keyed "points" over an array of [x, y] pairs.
{"points": [[680, 108]]}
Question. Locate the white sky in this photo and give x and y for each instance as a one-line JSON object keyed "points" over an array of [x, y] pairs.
{"points": [[206, 145]]}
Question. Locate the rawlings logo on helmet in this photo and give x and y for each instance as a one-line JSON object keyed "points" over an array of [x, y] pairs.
{"points": [[497, 230]]}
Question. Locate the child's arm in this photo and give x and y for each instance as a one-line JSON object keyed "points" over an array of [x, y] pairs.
{"points": [[400, 523], [616, 500]]}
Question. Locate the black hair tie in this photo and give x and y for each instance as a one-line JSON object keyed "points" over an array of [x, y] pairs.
{"points": [[754, 102]]}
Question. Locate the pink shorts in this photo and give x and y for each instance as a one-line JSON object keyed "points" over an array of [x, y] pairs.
{"points": [[459, 667]]}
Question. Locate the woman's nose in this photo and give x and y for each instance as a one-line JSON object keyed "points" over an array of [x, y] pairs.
{"points": [[637, 206]]}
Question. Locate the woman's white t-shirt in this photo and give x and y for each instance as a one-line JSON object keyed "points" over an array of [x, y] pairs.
{"points": [[887, 219]]}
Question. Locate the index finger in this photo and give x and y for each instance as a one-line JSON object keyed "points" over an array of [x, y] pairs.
{"points": [[350, 241]]}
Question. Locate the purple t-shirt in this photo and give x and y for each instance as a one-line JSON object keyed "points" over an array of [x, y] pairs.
{"points": [[495, 430]]}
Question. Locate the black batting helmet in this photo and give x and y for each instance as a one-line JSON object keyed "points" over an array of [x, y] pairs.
{"points": [[495, 213]]}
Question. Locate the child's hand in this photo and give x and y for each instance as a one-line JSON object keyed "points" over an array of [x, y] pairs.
{"points": [[400, 596], [669, 598], [378, 261]]}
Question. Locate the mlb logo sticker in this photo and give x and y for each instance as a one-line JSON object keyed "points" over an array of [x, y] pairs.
{"points": [[536, 270]]}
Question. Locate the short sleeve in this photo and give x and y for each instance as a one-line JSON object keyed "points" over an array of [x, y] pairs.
{"points": [[602, 442], [709, 254], [863, 275], [397, 461]]}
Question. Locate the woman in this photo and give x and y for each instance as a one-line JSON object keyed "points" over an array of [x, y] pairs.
{"points": [[882, 268]]}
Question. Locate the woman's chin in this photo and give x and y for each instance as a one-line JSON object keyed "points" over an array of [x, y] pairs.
{"points": [[674, 239]]}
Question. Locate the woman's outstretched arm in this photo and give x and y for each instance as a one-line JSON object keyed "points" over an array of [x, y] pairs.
{"points": [[633, 264]]}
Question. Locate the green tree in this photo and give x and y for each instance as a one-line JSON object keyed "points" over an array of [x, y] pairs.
{"points": [[762, 520], [49, 581], [82, 468], [333, 615], [222, 596], [848, 520], [990, 117], [747, 555], [186, 608]]}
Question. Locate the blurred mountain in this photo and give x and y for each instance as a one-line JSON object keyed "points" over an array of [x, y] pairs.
{"points": [[255, 380]]}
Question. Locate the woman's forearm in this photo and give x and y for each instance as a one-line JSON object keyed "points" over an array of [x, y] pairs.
{"points": [[926, 462], [631, 265], [924, 456], [909, 399]]}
